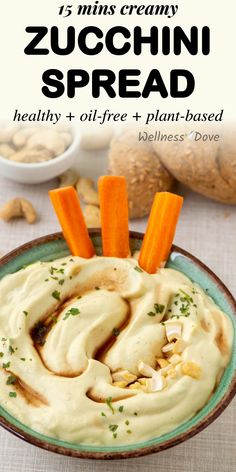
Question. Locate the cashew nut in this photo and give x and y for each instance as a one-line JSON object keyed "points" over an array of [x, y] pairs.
{"points": [[92, 216], [49, 139], [67, 138], [86, 190], [96, 139], [31, 155], [6, 150], [7, 132], [18, 207], [20, 138], [70, 177]]}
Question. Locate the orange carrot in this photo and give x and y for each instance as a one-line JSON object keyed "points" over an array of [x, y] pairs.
{"points": [[160, 231], [67, 207], [114, 216]]}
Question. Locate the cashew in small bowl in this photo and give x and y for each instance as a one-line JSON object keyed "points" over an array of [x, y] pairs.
{"points": [[18, 207], [67, 138], [6, 150], [49, 139], [7, 132], [21, 137], [31, 155], [92, 216], [87, 192]]}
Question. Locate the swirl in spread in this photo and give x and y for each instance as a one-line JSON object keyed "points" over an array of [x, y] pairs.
{"points": [[99, 352]]}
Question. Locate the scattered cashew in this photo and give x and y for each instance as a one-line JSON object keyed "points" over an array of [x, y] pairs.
{"points": [[31, 155], [96, 139], [18, 207], [6, 150], [92, 216], [49, 139], [70, 177], [86, 190]]}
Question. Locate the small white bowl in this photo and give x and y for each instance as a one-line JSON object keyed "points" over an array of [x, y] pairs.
{"points": [[35, 173]]}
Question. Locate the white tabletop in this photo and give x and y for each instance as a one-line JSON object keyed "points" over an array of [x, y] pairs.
{"points": [[207, 229]]}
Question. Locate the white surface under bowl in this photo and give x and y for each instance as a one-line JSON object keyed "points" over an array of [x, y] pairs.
{"points": [[35, 173]]}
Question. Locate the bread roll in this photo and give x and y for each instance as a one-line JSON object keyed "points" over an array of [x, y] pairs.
{"points": [[208, 168]]}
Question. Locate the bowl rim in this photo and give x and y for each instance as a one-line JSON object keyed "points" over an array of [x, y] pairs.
{"points": [[151, 449], [46, 164]]}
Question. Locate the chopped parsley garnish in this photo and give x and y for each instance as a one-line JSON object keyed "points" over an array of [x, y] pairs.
{"points": [[114, 435], [61, 282], [71, 312], [6, 365], [12, 394], [129, 431], [186, 297], [79, 297], [103, 414], [127, 422], [113, 427], [121, 408], [109, 404], [151, 313], [54, 278], [184, 303], [11, 350], [135, 413], [158, 309], [11, 380], [184, 309], [71, 260], [1, 354], [56, 295], [25, 313], [97, 288], [23, 359], [60, 271], [4, 339], [116, 331], [138, 269], [46, 280], [64, 263], [52, 270]]}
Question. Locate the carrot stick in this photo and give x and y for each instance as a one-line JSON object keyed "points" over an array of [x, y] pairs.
{"points": [[114, 216], [67, 208], [160, 231]]}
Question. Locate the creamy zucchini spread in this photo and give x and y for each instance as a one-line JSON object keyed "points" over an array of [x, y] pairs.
{"points": [[96, 351]]}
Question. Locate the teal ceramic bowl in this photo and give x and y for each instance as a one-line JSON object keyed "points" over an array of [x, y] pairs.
{"points": [[52, 247]]}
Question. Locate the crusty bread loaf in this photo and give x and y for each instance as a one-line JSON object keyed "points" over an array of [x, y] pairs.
{"points": [[206, 167], [142, 168]]}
